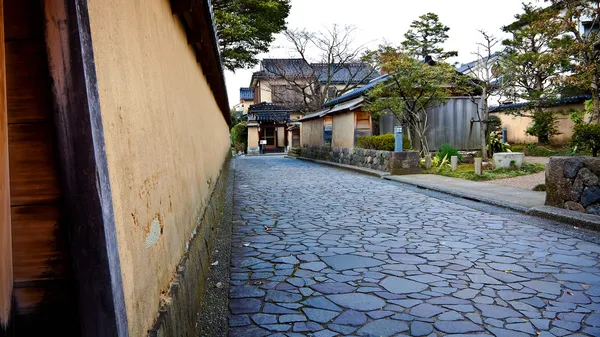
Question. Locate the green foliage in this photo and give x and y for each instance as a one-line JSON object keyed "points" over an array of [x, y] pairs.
{"points": [[540, 188], [536, 150], [385, 142], [236, 117], [239, 136], [587, 136], [411, 89], [543, 126], [581, 48], [382, 142], [494, 124], [495, 143], [426, 37], [578, 116], [447, 151], [530, 63], [468, 172], [247, 27]]}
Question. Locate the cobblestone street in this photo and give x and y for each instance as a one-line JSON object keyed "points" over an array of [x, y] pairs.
{"points": [[319, 251]]}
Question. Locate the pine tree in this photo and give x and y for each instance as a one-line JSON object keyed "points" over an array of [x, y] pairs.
{"points": [[426, 37], [532, 65], [579, 20], [246, 28]]}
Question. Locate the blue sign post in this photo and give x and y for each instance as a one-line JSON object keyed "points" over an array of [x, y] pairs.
{"points": [[398, 138]]}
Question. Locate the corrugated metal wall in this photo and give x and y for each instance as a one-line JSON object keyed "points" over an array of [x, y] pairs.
{"points": [[448, 124]]}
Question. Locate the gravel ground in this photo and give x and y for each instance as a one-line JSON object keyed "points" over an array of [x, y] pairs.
{"points": [[526, 182]]}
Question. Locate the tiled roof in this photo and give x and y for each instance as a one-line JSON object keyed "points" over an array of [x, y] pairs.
{"points": [[246, 94], [273, 116], [550, 103], [264, 106], [269, 112], [352, 73], [346, 73], [356, 92]]}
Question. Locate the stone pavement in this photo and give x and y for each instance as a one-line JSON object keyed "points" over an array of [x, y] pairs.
{"points": [[319, 251]]}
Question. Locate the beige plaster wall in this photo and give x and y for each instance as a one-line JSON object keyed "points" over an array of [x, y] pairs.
{"points": [[166, 141], [517, 125], [311, 132], [253, 136], [343, 130]]}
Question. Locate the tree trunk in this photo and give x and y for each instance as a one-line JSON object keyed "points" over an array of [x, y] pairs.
{"points": [[483, 120], [595, 98]]}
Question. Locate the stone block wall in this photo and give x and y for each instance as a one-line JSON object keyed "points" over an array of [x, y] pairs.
{"points": [[574, 183], [372, 159]]}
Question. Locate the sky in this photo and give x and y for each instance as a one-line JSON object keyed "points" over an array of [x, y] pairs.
{"points": [[377, 21]]}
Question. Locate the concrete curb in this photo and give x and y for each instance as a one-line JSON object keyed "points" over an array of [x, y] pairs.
{"points": [[584, 220], [363, 170], [455, 193], [552, 213]]}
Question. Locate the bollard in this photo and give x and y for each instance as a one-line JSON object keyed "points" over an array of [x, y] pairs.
{"points": [[454, 162], [478, 166], [398, 138], [428, 161]]}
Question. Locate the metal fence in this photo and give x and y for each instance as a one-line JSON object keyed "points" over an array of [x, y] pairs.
{"points": [[448, 124]]}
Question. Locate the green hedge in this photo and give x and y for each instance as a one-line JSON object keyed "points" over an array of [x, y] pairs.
{"points": [[385, 142], [587, 136], [239, 136]]}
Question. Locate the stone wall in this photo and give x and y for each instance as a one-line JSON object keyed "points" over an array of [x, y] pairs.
{"points": [[372, 159], [574, 183]]}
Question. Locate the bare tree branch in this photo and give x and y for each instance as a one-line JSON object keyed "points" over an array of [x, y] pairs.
{"points": [[305, 81]]}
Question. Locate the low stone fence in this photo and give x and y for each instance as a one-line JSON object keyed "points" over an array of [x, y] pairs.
{"points": [[396, 163], [574, 183]]}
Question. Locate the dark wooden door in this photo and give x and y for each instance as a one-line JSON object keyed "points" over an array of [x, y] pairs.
{"points": [[42, 286]]}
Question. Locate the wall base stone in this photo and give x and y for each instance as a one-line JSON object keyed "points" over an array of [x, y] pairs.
{"points": [[179, 310], [371, 159], [574, 183], [253, 150], [407, 162]]}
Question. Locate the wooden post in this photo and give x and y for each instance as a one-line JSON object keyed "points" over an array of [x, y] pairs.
{"points": [[428, 161], [478, 166], [454, 162], [6, 273]]}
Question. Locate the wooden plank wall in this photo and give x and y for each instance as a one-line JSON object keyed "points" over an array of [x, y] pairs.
{"points": [[6, 280], [42, 287]]}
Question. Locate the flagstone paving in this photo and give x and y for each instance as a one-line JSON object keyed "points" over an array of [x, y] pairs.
{"points": [[324, 252]]}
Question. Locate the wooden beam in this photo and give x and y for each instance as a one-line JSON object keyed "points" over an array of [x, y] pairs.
{"points": [[6, 272], [84, 170], [183, 6], [194, 36]]}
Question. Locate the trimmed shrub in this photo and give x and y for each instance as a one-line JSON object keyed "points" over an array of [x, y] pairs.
{"points": [[239, 136], [385, 142], [449, 151], [587, 136]]}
